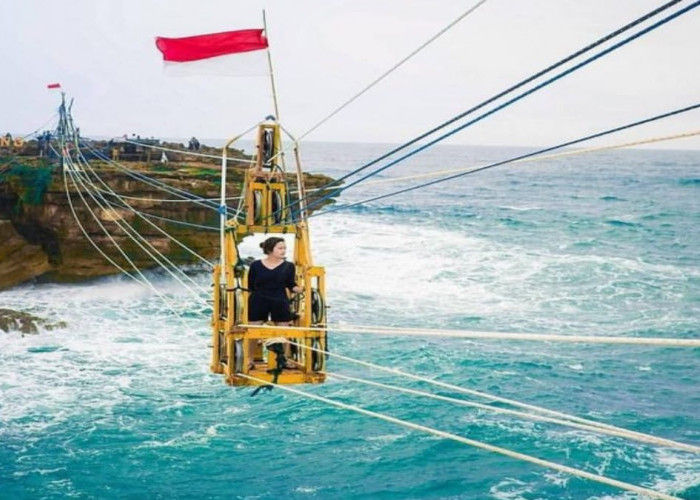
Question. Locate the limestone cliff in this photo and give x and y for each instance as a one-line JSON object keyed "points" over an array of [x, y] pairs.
{"points": [[41, 238]]}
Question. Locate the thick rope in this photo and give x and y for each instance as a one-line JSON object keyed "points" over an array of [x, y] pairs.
{"points": [[471, 392], [137, 238], [108, 190], [517, 158], [591, 339], [471, 442], [622, 433], [577, 152], [153, 182], [467, 334], [179, 200], [511, 89], [143, 281], [393, 68]]}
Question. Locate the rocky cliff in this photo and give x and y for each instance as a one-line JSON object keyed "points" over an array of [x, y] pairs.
{"points": [[43, 237]]}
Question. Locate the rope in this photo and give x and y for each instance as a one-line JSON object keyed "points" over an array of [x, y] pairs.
{"points": [[179, 200], [467, 334], [143, 281], [153, 182], [110, 191], [666, 342], [622, 433], [393, 68], [85, 233], [511, 160], [544, 157], [471, 442], [129, 232], [166, 219], [513, 100], [472, 392]]}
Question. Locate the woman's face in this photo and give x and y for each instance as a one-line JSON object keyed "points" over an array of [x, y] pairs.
{"points": [[280, 250]]}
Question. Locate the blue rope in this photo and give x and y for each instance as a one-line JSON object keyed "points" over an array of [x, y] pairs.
{"points": [[123, 204], [144, 178], [521, 157], [511, 101]]}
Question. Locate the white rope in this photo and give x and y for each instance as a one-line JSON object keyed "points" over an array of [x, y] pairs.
{"points": [[540, 158], [179, 200], [154, 183], [393, 68], [30, 134], [471, 392], [466, 334], [381, 77], [592, 339], [110, 191], [143, 281], [471, 442], [128, 231], [623, 433], [85, 233], [137, 238]]}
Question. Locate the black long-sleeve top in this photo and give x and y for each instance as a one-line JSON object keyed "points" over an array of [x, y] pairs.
{"points": [[271, 282]]}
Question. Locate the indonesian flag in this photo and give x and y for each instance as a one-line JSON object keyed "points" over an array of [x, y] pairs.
{"points": [[53, 86], [227, 53]]}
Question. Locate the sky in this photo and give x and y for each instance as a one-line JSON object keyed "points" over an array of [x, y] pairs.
{"points": [[325, 51]]}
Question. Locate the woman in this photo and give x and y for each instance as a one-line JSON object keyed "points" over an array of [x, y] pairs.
{"points": [[268, 280]]}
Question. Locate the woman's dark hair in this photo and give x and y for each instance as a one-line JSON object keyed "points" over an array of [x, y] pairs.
{"points": [[269, 244]]}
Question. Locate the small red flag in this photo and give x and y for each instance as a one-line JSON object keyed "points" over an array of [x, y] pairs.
{"points": [[53, 86]]}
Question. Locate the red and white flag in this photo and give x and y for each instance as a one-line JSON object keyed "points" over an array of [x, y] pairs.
{"points": [[230, 53], [53, 86]]}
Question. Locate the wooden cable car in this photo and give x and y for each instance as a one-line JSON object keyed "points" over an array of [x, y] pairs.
{"points": [[257, 351]]}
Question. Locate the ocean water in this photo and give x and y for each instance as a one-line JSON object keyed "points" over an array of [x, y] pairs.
{"points": [[121, 403]]}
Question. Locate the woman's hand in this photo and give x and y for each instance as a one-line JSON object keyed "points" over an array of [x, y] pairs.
{"points": [[297, 289]]}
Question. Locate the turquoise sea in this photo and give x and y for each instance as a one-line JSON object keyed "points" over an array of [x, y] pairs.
{"points": [[121, 403]]}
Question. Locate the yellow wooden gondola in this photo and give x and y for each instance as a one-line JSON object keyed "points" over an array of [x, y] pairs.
{"points": [[281, 355]]}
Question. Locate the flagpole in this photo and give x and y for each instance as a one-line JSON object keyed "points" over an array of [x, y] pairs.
{"points": [[272, 73]]}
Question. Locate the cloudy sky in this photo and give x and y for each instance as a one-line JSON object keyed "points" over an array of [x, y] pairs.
{"points": [[325, 51]]}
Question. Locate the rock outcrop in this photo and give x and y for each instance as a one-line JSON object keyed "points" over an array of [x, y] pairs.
{"points": [[51, 227], [23, 322]]}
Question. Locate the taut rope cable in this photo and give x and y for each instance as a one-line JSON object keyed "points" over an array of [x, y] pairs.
{"points": [[467, 334], [137, 238], [180, 200], [463, 390], [166, 219], [622, 433], [393, 68], [544, 157], [85, 233], [471, 442], [143, 281], [111, 192], [128, 231], [526, 81], [674, 342], [517, 158], [152, 182], [118, 139]]}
